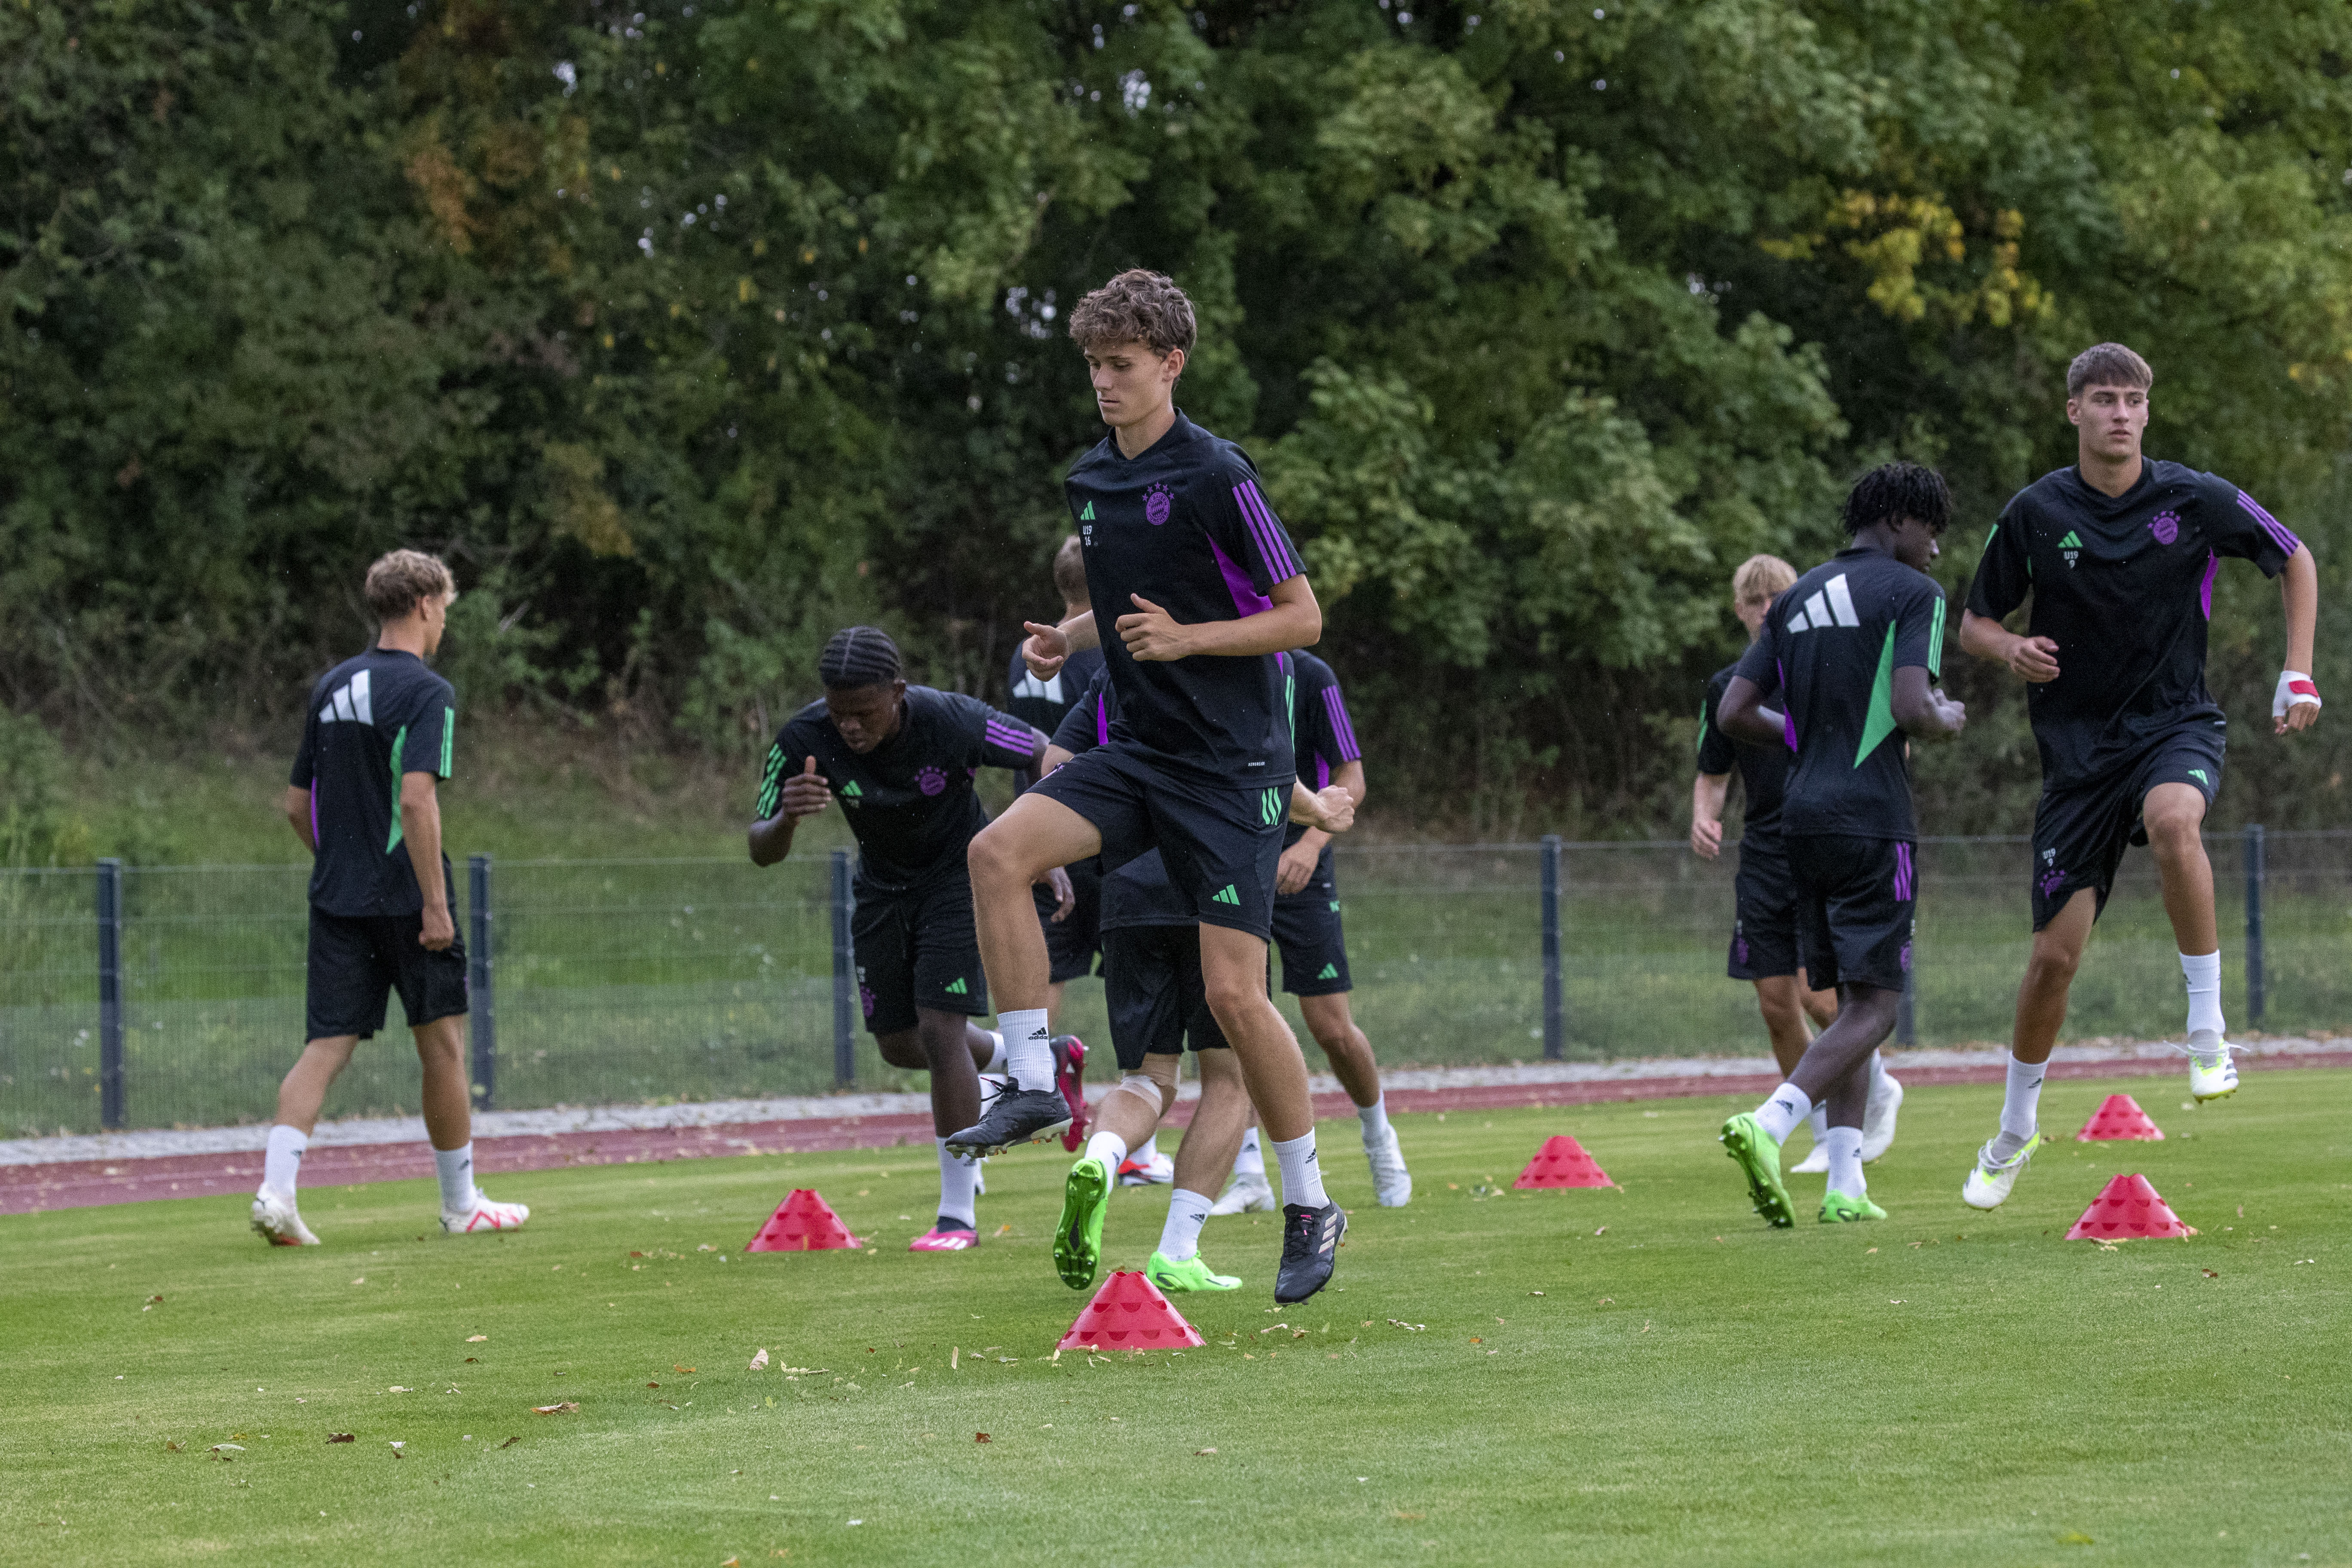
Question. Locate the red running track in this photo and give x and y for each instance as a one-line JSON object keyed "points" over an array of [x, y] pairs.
{"points": [[33, 1189]]}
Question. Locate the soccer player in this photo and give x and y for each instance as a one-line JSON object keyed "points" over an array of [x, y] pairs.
{"points": [[1764, 925], [1205, 587], [1151, 966], [380, 733], [1853, 652], [901, 759], [2120, 554], [1072, 940]]}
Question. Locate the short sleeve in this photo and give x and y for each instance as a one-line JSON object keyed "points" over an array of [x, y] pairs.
{"points": [[2236, 526], [1004, 742], [306, 757], [431, 742], [1082, 728], [771, 782], [2004, 572], [1249, 540], [1717, 753], [1920, 628]]}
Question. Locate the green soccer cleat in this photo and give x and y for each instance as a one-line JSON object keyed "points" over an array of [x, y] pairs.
{"points": [[1837, 1208], [1077, 1239], [1758, 1155], [1989, 1180], [1193, 1274]]}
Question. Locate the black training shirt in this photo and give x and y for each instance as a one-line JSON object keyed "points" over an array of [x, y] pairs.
{"points": [[1321, 738], [371, 718], [2124, 585], [1184, 526], [1831, 647], [909, 800], [1043, 703], [1763, 770], [1138, 893]]}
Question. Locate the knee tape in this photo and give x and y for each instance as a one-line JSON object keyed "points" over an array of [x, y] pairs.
{"points": [[1155, 1085]]}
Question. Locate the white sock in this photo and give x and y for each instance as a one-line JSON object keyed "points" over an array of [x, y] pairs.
{"points": [[1143, 1153], [1845, 1146], [2203, 973], [456, 1169], [1302, 1174], [2021, 1108], [1028, 1047], [956, 1176], [1781, 1113], [282, 1166], [1251, 1160], [1818, 1121], [1108, 1147], [1179, 1238], [996, 1056], [1375, 1118]]}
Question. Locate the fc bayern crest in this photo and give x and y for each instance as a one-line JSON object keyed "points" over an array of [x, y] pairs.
{"points": [[1156, 506], [2165, 527], [930, 781]]}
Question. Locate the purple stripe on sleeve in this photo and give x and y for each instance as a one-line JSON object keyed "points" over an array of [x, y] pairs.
{"points": [[2205, 590], [1247, 600], [1006, 738], [1788, 709], [1322, 771], [1344, 731], [1281, 563], [2286, 541]]}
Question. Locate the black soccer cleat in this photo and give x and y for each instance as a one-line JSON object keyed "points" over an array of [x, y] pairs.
{"points": [[1310, 1246], [1012, 1116]]}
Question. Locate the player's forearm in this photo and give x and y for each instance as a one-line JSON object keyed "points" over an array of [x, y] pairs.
{"points": [[771, 840], [1350, 777], [2299, 594], [1283, 626], [420, 824], [1985, 637], [1742, 717], [1709, 792], [298, 817], [1080, 630]]}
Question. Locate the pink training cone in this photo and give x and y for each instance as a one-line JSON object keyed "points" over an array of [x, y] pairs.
{"points": [[2128, 1209], [1128, 1313], [1562, 1163], [803, 1221], [2119, 1116]]}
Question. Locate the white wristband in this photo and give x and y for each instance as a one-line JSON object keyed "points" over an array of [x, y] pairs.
{"points": [[2293, 687]]}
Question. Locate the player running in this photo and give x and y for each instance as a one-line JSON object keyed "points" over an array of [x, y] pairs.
{"points": [[1151, 966], [380, 732], [1852, 651], [2120, 554], [1764, 925], [1205, 586], [901, 759]]}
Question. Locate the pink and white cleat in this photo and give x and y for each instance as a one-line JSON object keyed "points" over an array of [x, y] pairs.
{"points": [[485, 1216], [1069, 1077], [944, 1237], [277, 1222]]}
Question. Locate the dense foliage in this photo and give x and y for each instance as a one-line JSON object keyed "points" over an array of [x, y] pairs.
{"points": [[689, 331]]}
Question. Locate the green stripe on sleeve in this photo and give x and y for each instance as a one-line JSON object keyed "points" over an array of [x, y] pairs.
{"points": [[399, 744], [1936, 643], [448, 738]]}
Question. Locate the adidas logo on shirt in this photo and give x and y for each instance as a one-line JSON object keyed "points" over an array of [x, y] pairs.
{"points": [[958, 988], [1087, 515], [850, 791], [351, 704], [1831, 605], [1049, 689], [1226, 895], [2073, 546]]}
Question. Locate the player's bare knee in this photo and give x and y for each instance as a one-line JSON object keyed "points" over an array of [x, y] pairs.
{"points": [[903, 1049]]}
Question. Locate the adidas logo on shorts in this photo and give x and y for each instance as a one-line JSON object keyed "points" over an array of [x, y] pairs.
{"points": [[1330, 971], [958, 988], [1226, 895]]}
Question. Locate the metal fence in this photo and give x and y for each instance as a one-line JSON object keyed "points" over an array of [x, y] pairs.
{"points": [[158, 996]]}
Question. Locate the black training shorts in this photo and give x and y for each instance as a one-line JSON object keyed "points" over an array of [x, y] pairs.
{"points": [[1764, 926], [2080, 831], [1151, 980], [916, 947], [1306, 930], [1855, 902], [358, 961], [1072, 943], [1222, 843]]}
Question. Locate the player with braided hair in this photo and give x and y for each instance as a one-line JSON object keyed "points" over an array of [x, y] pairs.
{"points": [[901, 759]]}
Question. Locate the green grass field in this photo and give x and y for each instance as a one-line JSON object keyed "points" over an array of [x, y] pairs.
{"points": [[1639, 1376]]}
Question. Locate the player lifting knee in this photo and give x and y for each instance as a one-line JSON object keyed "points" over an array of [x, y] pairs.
{"points": [[1205, 587], [2120, 554], [1852, 653], [901, 759], [382, 732]]}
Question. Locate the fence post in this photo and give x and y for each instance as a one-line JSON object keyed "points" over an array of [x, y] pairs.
{"points": [[845, 1043], [1555, 1011], [112, 1113], [481, 1002], [2255, 987]]}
